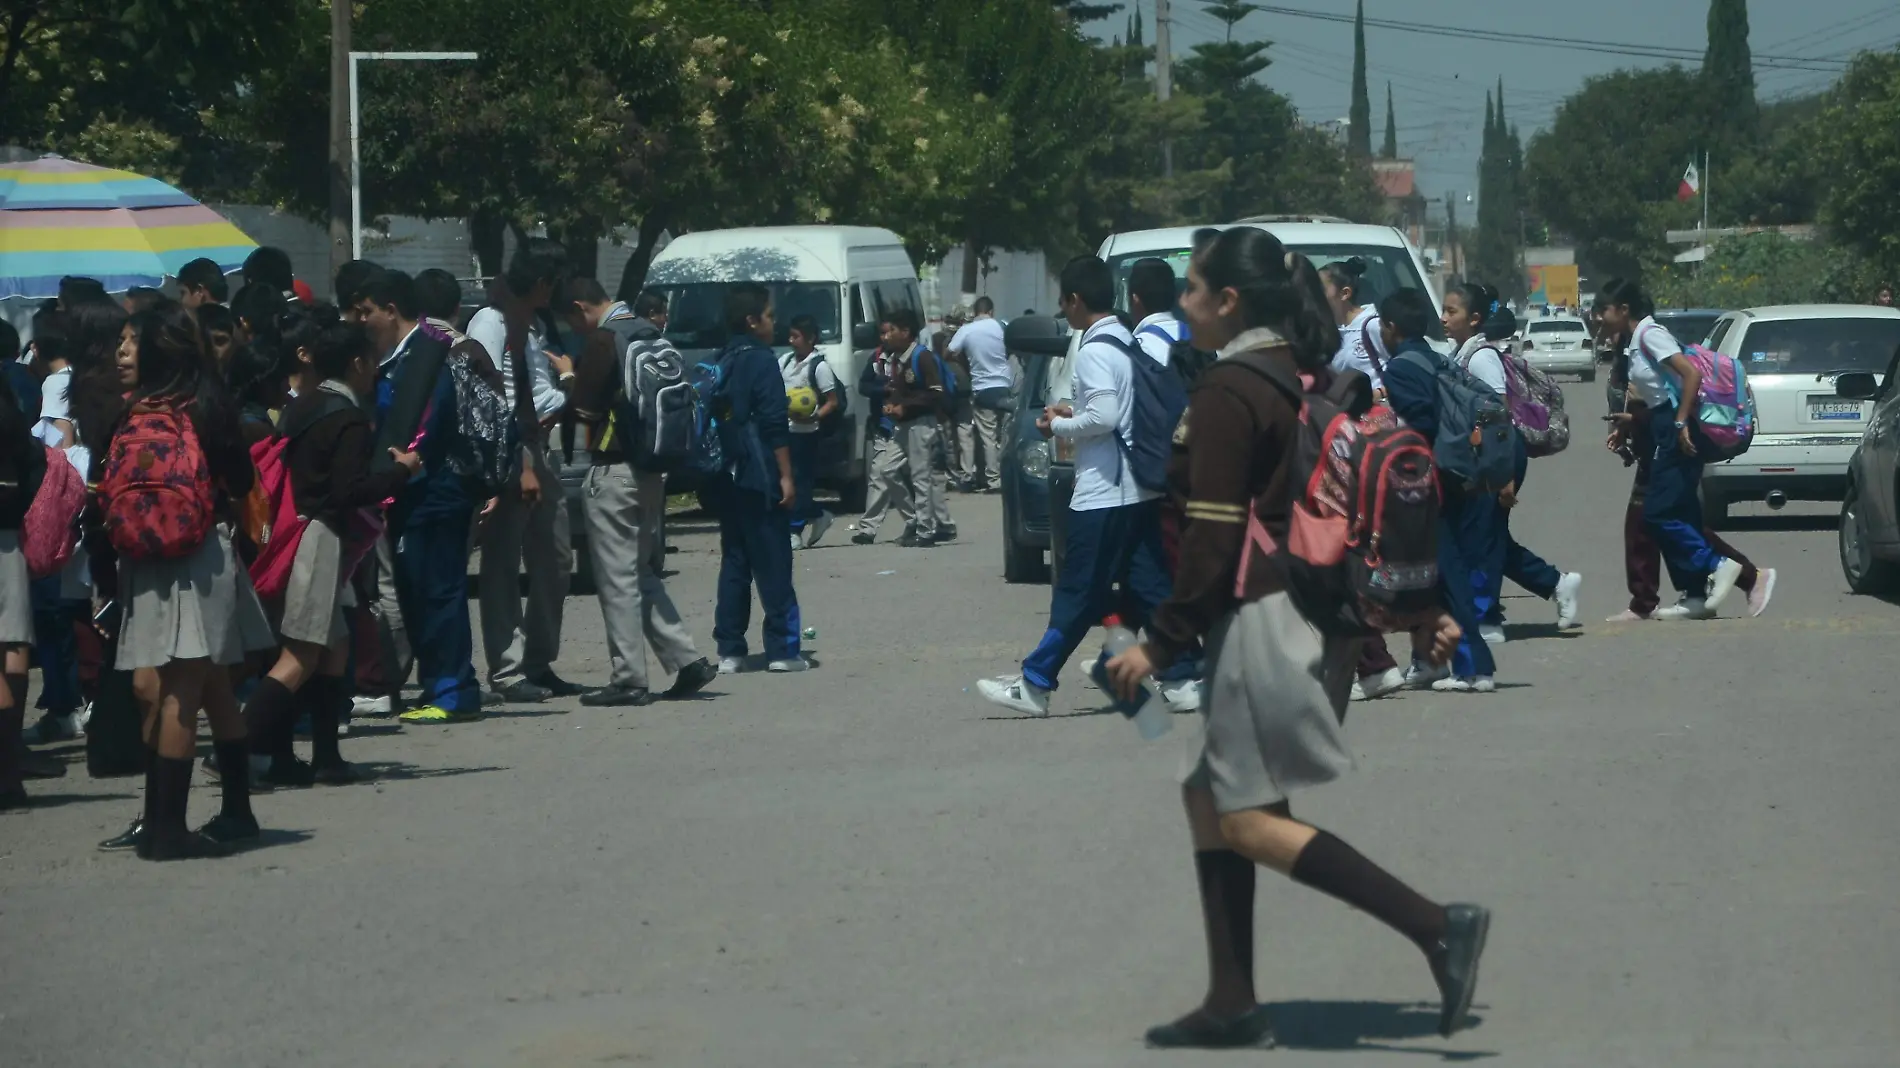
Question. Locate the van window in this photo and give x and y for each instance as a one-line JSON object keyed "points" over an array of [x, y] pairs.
{"points": [[890, 294], [696, 311]]}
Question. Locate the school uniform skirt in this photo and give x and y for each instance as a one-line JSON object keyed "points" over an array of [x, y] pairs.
{"points": [[16, 602], [1276, 690], [316, 595], [197, 606]]}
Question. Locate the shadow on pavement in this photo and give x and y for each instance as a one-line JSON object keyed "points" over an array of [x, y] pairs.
{"points": [[1360, 1025], [396, 771], [36, 799], [271, 837], [1518, 632], [1803, 521]]}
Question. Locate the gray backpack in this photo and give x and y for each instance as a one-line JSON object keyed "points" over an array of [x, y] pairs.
{"points": [[1475, 448]]}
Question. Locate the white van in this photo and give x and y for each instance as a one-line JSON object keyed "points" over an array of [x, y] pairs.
{"points": [[842, 276]]}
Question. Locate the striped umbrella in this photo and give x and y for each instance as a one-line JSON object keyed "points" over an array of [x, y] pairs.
{"points": [[59, 217]]}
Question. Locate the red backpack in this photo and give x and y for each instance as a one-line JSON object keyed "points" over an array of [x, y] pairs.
{"points": [[157, 487], [49, 534], [1361, 548], [270, 572]]}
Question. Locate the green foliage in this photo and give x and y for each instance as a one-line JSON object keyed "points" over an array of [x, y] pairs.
{"points": [[1858, 143], [1495, 252], [1728, 73], [1753, 270], [1359, 133]]}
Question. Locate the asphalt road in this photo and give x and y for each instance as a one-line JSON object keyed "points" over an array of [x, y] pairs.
{"points": [[1686, 831]]}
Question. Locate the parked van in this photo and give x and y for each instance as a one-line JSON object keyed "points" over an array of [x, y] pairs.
{"points": [[845, 277]]}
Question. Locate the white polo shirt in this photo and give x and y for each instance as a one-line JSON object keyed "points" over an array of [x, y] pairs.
{"points": [[1157, 334], [1103, 385], [1354, 355], [1650, 382], [981, 342], [1480, 357]]}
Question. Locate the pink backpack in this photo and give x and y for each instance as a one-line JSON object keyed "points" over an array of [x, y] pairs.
{"points": [[1725, 405], [49, 534]]}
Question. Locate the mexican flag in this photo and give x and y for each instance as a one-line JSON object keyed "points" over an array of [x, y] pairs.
{"points": [[1691, 183]]}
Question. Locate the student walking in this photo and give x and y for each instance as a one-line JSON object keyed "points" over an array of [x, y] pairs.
{"points": [[979, 343], [625, 506], [1276, 686], [753, 495], [804, 368], [529, 526], [1151, 304], [890, 469], [1663, 386], [188, 609], [1114, 560]]}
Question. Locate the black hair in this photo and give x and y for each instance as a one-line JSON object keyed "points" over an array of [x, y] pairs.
{"points": [[142, 298], [583, 290], [1627, 293], [52, 336], [805, 325], [77, 289], [1088, 279], [904, 319], [1345, 274], [984, 306], [1495, 321], [390, 288], [1151, 281], [216, 319], [270, 266], [251, 369], [1278, 289], [174, 360], [336, 347], [92, 350], [438, 294], [204, 273], [537, 260], [745, 301], [9, 342], [649, 303], [350, 279], [1409, 312], [257, 306]]}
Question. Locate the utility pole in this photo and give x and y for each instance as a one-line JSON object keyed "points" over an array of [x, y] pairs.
{"points": [[1164, 77], [342, 177], [1451, 237]]}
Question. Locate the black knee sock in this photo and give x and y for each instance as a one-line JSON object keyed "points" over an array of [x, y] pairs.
{"points": [[270, 719], [234, 775], [323, 696], [171, 792], [1227, 881], [1333, 867]]}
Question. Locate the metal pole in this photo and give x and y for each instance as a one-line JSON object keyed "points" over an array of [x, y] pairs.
{"points": [[356, 163], [340, 132], [1164, 77]]}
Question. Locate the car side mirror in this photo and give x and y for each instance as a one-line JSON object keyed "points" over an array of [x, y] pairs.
{"points": [[864, 336], [1856, 385], [1529, 344], [1036, 335]]}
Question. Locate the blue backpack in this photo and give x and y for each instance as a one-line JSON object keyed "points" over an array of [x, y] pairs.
{"points": [[1160, 398], [708, 378], [946, 372], [1475, 449]]}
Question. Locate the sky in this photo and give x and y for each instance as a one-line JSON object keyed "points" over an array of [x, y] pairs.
{"points": [[1439, 83]]}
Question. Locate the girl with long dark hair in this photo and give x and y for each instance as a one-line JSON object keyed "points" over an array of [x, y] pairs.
{"points": [[22, 467], [1276, 687]]}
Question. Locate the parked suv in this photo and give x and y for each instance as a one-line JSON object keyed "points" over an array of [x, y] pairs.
{"points": [[1039, 345]]}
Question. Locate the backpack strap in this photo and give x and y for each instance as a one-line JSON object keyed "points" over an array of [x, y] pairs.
{"points": [[1258, 536], [1372, 349]]}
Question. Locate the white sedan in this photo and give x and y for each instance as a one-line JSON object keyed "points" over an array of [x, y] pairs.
{"points": [[1559, 345]]}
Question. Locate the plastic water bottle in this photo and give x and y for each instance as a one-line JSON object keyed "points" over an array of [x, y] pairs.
{"points": [[1149, 710]]}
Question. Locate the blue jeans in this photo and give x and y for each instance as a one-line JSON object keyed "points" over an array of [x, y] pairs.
{"points": [[55, 645], [1467, 530], [1102, 548], [1518, 564], [804, 477], [432, 582], [755, 546], [1673, 511]]}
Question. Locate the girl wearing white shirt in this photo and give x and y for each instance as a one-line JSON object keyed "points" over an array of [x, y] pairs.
{"points": [[1359, 342]]}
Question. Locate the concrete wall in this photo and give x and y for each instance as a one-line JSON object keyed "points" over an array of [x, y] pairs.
{"points": [[1015, 281]]}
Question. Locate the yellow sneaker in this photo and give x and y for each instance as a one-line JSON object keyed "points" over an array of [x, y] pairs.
{"points": [[434, 714]]}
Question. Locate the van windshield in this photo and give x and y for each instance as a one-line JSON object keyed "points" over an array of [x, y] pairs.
{"points": [[1387, 269], [696, 311]]}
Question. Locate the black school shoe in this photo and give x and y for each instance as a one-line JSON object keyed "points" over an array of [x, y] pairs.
{"points": [[557, 686], [947, 532], [523, 692], [226, 830], [1199, 1030], [128, 838], [692, 678], [1454, 962], [617, 697], [913, 541]]}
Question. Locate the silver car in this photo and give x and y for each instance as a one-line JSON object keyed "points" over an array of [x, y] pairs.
{"points": [[1559, 345]]}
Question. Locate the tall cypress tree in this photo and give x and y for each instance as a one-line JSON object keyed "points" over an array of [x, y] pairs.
{"points": [[1728, 70], [1391, 149], [1359, 134]]}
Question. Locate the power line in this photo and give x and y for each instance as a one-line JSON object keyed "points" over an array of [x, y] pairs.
{"points": [[1881, 12]]}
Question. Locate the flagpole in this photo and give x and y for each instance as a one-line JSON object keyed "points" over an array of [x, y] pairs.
{"points": [[1705, 198]]}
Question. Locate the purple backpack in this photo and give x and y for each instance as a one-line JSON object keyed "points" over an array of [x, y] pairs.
{"points": [[1725, 405]]}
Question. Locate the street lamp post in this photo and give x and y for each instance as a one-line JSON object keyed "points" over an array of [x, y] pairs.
{"points": [[356, 126]]}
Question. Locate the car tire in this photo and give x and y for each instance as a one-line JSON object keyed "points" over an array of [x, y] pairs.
{"points": [[1590, 375], [1865, 573]]}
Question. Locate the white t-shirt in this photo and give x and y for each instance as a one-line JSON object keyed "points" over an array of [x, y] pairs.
{"points": [[1103, 385], [1647, 382], [1353, 354], [490, 328], [56, 403], [799, 373], [1480, 357], [981, 342], [1157, 334]]}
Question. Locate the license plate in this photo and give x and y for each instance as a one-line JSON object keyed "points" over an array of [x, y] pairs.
{"points": [[1834, 410]]}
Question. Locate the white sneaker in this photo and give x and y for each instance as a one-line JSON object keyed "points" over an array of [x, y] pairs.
{"points": [[729, 665], [1764, 590], [1722, 582], [1466, 684], [1566, 598], [1420, 675], [1373, 687], [1686, 607], [1492, 634], [1016, 694], [797, 663], [815, 528], [369, 707], [797, 541], [1628, 615], [53, 727], [1182, 696]]}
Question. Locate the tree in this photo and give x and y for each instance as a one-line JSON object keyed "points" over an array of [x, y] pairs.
{"points": [[1230, 12], [1391, 149], [1858, 142], [1359, 133], [1728, 72], [1079, 11]]}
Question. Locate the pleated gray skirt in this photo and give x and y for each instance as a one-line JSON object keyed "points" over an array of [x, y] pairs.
{"points": [[1275, 691], [316, 595], [197, 606], [16, 593]]}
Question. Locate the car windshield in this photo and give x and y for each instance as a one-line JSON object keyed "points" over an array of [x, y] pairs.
{"points": [[1560, 327], [1819, 346], [1388, 268], [1690, 328], [696, 311]]}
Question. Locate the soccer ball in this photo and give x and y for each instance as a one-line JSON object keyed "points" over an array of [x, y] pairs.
{"points": [[803, 402]]}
